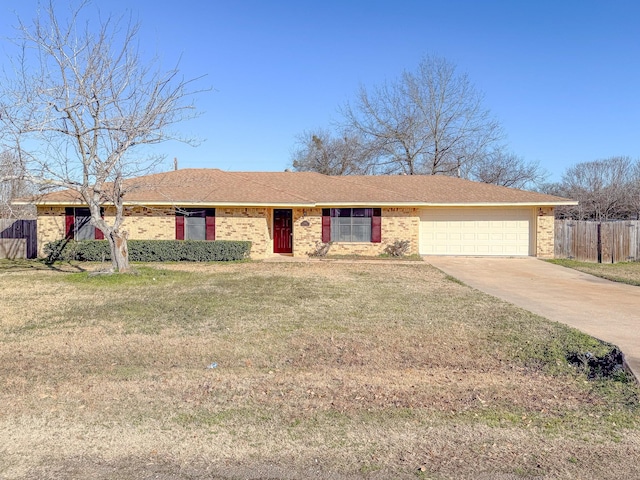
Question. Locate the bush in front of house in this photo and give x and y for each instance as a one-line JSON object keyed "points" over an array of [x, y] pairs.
{"points": [[399, 248], [320, 249], [151, 250]]}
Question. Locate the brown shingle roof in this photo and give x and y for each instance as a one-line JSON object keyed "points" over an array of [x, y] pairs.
{"points": [[440, 189], [217, 187]]}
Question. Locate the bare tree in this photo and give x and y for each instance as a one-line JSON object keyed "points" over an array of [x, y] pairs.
{"points": [[80, 104], [431, 121], [508, 170], [634, 190], [603, 188], [13, 187], [321, 152]]}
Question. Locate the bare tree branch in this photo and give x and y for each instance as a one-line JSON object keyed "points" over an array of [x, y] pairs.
{"points": [[430, 121], [80, 103], [320, 152], [606, 189], [508, 170]]}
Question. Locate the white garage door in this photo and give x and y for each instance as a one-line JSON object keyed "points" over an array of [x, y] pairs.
{"points": [[475, 231]]}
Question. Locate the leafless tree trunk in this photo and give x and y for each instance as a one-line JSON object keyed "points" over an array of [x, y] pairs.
{"points": [[78, 104]]}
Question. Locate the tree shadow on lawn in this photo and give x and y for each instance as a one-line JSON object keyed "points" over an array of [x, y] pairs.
{"points": [[21, 265]]}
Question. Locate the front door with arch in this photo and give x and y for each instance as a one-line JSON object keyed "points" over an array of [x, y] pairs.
{"points": [[282, 230]]}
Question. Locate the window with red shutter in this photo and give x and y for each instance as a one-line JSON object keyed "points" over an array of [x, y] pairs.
{"points": [[196, 224], [98, 235], [179, 226], [326, 225], [68, 223], [353, 225], [210, 224], [376, 226]]}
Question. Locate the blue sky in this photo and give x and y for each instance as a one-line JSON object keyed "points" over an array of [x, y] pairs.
{"points": [[562, 76]]}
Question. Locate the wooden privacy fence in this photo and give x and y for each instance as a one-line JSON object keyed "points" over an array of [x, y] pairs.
{"points": [[18, 239], [600, 242]]}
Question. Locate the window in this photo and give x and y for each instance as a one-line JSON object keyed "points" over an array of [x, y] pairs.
{"points": [[83, 228], [195, 224], [195, 227], [351, 225], [78, 225]]}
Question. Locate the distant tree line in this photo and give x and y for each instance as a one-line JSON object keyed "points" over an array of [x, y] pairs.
{"points": [[431, 121], [607, 189]]}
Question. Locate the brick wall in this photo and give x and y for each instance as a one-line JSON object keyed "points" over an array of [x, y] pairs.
{"points": [[397, 224], [545, 225], [252, 224], [307, 230], [401, 224], [256, 225], [144, 223], [51, 224]]}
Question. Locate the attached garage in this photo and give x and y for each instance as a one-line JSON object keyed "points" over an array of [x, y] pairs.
{"points": [[477, 231]]}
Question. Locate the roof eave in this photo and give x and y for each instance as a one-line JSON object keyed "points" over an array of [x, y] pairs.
{"points": [[175, 203], [500, 204], [311, 204]]}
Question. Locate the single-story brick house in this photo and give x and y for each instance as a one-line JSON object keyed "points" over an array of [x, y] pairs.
{"points": [[290, 212]]}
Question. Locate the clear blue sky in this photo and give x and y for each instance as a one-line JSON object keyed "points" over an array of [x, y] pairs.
{"points": [[562, 76]]}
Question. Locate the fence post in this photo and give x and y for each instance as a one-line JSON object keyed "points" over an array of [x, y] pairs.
{"points": [[599, 242]]}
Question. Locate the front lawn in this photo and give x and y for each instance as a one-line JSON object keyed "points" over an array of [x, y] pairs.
{"points": [[625, 272], [295, 370]]}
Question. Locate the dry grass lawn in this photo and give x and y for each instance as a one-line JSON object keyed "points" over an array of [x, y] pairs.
{"points": [[624, 272], [324, 370]]}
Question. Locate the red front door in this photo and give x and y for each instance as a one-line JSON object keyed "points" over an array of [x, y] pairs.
{"points": [[282, 231]]}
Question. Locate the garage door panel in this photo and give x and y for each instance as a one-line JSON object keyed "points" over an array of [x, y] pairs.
{"points": [[475, 231]]}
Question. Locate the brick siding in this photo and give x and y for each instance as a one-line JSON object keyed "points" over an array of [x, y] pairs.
{"points": [[545, 232], [256, 226], [252, 224], [397, 224]]}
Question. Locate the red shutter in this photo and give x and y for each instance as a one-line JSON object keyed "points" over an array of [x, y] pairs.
{"points": [[326, 225], [68, 223], [210, 222], [376, 226], [98, 234], [179, 227]]}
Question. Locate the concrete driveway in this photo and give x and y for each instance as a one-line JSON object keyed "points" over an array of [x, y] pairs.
{"points": [[606, 310]]}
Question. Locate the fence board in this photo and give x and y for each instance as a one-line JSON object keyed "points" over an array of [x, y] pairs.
{"points": [[13, 248], [26, 229], [605, 242]]}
